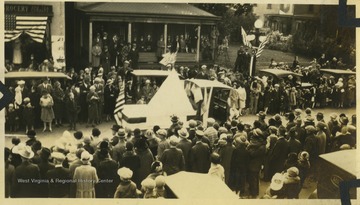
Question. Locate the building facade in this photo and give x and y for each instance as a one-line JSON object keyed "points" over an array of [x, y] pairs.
{"points": [[153, 28], [34, 29]]}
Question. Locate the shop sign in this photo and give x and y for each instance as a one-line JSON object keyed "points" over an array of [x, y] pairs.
{"points": [[28, 9]]}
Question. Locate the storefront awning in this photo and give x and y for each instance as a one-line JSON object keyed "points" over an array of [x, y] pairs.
{"points": [[154, 12], [34, 26]]}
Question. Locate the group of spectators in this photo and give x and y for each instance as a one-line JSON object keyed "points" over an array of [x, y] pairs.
{"points": [[135, 163]]}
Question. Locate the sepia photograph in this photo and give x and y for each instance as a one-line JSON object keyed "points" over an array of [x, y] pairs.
{"points": [[156, 100]]}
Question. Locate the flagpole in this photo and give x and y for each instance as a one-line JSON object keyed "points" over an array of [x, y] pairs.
{"points": [[251, 65]]}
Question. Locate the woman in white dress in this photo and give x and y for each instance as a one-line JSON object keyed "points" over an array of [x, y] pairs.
{"points": [[47, 112], [242, 97]]}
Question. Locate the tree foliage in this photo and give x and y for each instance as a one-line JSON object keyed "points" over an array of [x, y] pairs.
{"points": [[233, 17]]}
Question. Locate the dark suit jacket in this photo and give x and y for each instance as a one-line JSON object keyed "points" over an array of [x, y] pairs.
{"points": [[257, 152], [185, 146], [294, 146], [200, 158], [59, 185], [279, 155], [107, 170], [173, 160], [23, 187]]}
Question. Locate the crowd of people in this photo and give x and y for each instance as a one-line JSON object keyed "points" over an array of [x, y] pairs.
{"points": [[135, 163]]}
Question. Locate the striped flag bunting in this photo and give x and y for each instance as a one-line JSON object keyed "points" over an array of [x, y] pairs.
{"points": [[119, 105], [34, 26], [262, 46], [245, 41]]}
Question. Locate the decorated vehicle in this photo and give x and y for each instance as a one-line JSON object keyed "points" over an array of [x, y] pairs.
{"points": [[203, 186], [334, 168]]}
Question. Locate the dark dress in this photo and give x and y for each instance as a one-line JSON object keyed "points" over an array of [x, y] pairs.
{"points": [[146, 159], [238, 168], [93, 113], [257, 151], [110, 95], [278, 156], [58, 97], [29, 116]]}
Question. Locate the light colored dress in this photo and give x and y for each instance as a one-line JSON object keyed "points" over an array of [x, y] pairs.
{"points": [[85, 177], [47, 112]]}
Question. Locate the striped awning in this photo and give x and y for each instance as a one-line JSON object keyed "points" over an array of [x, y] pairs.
{"points": [[34, 26]]}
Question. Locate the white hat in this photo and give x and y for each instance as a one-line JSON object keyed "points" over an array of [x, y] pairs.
{"points": [[86, 156], [125, 173], [58, 156], [16, 149], [21, 82], [26, 152], [148, 183], [127, 62], [277, 182], [203, 66]]}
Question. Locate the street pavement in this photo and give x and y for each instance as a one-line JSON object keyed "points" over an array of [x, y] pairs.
{"points": [[47, 139]]}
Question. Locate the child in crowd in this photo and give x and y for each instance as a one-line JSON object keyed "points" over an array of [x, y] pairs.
{"points": [[28, 114], [216, 169], [292, 183], [275, 190], [87, 145], [12, 118], [148, 187], [160, 186], [126, 188], [303, 166]]}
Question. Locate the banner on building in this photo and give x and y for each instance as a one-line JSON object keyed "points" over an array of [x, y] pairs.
{"points": [[58, 51]]}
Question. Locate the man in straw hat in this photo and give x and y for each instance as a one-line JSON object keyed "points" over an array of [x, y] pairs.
{"points": [[200, 154], [85, 177], [120, 148], [24, 173], [173, 158], [185, 145]]}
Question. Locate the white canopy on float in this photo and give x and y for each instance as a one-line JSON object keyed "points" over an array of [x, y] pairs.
{"points": [[170, 99]]}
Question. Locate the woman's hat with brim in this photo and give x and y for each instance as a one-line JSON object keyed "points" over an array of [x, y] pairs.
{"points": [[125, 173], [277, 182], [86, 156], [26, 152]]}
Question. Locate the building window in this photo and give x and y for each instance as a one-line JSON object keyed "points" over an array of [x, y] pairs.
{"points": [[311, 8], [269, 6]]}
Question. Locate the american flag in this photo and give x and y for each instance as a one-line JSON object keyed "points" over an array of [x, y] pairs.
{"points": [[262, 46], [34, 26], [119, 106], [245, 41]]}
